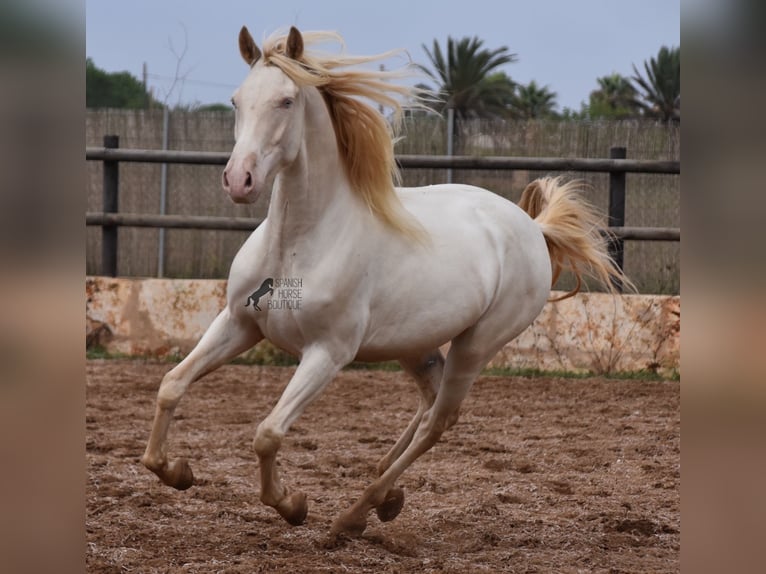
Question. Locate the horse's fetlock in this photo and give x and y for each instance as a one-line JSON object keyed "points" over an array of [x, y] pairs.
{"points": [[154, 463], [274, 496], [269, 500], [377, 497]]}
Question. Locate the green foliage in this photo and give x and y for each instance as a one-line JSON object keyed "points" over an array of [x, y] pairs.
{"points": [[214, 108], [265, 353], [532, 102], [467, 78], [193, 107], [615, 98], [568, 114], [99, 352], [654, 95], [114, 90], [661, 85]]}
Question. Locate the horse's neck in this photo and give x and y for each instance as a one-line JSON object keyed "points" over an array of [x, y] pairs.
{"points": [[314, 189]]}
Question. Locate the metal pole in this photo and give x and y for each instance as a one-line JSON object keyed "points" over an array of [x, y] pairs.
{"points": [[380, 106], [111, 205], [146, 91], [617, 210], [450, 138], [163, 193]]}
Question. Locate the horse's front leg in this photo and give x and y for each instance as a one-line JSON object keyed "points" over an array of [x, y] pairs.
{"points": [[225, 338], [317, 368]]}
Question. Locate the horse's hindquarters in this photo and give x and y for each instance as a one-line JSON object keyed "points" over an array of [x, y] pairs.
{"points": [[486, 260]]}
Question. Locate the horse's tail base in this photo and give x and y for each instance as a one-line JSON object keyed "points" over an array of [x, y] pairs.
{"points": [[571, 228]]}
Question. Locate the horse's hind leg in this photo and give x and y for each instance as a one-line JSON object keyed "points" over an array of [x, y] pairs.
{"points": [[464, 363], [427, 372], [224, 339]]}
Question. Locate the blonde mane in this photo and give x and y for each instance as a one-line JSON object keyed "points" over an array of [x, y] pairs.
{"points": [[365, 138]]}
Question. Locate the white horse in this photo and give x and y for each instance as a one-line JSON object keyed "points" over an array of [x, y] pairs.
{"points": [[371, 272]]}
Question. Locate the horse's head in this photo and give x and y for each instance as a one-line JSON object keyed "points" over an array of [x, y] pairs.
{"points": [[268, 128]]}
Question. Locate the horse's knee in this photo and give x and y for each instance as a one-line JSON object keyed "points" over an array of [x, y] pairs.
{"points": [[267, 440]]}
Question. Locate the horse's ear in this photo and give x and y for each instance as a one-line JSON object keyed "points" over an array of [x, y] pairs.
{"points": [[294, 47], [248, 49]]}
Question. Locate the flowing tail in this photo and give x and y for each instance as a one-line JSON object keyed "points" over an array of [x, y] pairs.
{"points": [[571, 229]]}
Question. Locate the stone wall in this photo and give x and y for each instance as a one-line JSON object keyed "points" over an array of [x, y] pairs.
{"points": [[590, 332]]}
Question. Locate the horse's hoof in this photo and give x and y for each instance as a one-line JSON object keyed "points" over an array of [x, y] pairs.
{"points": [[348, 526], [391, 506], [294, 508], [179, 474]]}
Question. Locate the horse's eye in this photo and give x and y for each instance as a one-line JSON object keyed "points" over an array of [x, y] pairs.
{"points": [[287, 103], [233, 104]]}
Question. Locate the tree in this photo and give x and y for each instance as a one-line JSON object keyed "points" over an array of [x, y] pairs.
{"points": [[615, 98], [661, 86], [533, 102], [217, 107], [114, 90], [570, 114], [467, 79]]}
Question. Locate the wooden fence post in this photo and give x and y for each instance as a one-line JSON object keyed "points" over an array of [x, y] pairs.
{"points": [[111, 205], [617, 210]]}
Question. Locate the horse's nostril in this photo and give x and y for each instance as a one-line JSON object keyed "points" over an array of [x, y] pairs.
{"points": [[225, 180], [249, 180]]}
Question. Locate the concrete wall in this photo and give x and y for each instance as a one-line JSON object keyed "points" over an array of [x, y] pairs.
{"points": [[590, 332]]}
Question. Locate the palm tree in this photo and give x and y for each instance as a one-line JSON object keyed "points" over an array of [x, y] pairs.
{"points": [[616, 97], [466, 77], [662, 85], [533, 101]]}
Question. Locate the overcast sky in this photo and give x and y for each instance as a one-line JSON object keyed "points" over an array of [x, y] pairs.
{"points": [[562, 44]]}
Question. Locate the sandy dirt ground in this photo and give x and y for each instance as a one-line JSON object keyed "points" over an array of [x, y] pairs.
{"points": [[538, 475]]}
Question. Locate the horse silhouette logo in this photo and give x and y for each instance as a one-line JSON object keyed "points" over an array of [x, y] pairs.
{"points": [[266, 287]]}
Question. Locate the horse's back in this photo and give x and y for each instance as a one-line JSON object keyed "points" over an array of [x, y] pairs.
{"points": [[475, 218], [439, 202], [479, 223]]}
